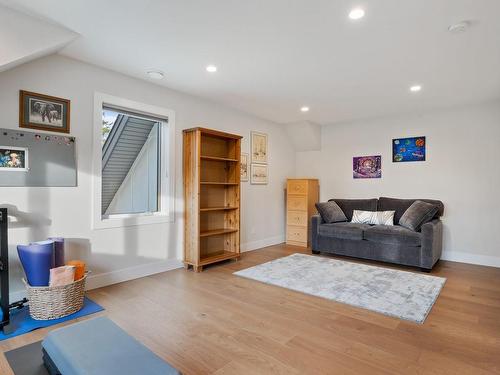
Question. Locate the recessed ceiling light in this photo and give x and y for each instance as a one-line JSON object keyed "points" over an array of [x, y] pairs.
{"points": [[211, 68], [459, 27], [415, 88], [356, 13], [304, 109], [155, 74]]}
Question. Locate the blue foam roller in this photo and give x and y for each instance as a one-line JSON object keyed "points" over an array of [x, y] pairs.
{"points": [[58, 250], [37, 259]]}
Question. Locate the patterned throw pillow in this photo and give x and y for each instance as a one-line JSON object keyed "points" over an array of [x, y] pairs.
{"points": [[418, 214], [330, 212], [373, 217]]}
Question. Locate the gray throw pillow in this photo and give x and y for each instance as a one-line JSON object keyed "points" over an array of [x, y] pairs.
{"points": [[418, 214], [330, 212]]}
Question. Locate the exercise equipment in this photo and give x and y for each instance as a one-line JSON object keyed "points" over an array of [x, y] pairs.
{"points": [[37, 259]]}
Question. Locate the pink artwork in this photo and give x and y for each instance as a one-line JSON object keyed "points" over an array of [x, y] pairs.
{"points": [[367, 166]]}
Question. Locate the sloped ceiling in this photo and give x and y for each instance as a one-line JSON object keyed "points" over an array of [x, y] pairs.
{"points": [[24, 38]]}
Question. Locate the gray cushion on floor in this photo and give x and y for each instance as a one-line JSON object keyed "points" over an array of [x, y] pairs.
{"points": [[418, 214], [99, 347], [394, 235], [348, 231], [330, 212]]}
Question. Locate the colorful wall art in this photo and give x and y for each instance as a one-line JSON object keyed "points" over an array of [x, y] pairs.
{"points": [[367, 166], [408, 149]]}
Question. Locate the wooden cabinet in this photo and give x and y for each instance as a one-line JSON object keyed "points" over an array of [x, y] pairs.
{"points": [[301, 195], [211, 166]]}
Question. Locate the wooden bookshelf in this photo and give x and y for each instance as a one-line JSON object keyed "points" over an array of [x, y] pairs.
{"points": [[211, 168]]}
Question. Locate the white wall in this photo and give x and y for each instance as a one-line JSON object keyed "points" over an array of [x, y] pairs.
{"points": [[462, 170], [114, 254]]}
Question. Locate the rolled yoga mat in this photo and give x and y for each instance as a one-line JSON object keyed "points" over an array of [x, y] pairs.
{"points": [[58, 250], [37, 259]]}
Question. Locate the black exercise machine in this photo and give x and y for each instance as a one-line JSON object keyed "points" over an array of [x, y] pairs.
{"points": [[4, 275]]}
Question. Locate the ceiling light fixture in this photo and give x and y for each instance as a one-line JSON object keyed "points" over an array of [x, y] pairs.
{"points": [[459, 27], [155, 74], [211, 68], [356, 14], [415, 88], [304, 109]]}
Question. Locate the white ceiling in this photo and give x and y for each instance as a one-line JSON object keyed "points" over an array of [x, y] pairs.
{"points": [[273, 56]]}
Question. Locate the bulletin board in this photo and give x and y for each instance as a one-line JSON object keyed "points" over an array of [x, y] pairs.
{"points": [[36, 159]]}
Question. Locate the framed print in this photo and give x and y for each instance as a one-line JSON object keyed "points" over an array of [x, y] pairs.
{"points": [[43, 112], [259, 148], [408, 149], [244, 167], [258, 174], [367, 166], [13, 159]]}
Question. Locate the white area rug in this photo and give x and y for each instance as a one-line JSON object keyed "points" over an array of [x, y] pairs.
{"points": [[404, 295]]}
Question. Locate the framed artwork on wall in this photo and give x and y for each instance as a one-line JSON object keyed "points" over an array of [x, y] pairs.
{"points": [[367, 166], [13, 159], [408, 149], [258, 174], [244, 167], [43, 112], [258, 148]]}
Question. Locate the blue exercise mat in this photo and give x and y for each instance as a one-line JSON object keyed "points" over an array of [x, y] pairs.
{"points": [[23, 323]]}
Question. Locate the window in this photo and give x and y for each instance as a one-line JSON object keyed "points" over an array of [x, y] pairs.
{"points": [[133, 157]]}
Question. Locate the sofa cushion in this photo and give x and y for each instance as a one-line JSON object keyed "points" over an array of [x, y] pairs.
{"points": [[401, 205], [395, 235], [330, 212], [417, 214], [346, 231], [373, 217], [349, 205]]}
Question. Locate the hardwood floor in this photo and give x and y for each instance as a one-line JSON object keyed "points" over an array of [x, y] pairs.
{"points": [[216, 323]]}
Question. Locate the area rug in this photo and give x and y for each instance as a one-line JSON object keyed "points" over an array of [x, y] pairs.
{"points": [[21, 321], [405, 295], [27, 360]]}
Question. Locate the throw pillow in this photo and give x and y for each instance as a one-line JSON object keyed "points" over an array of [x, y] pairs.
{"points": [[417, 215], [373, 217], [330, 212]]}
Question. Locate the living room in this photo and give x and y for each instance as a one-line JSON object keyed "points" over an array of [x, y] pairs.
{"points": [[249, 187]]}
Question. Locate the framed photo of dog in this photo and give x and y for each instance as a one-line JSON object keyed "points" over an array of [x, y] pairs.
{"points": [[43, 112]]}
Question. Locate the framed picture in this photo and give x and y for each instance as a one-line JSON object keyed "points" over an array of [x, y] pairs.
{"points": [[244, 167], [258, 174], [367, 166], [259, 148], [13, 159], [43, 112], [408, 149]]}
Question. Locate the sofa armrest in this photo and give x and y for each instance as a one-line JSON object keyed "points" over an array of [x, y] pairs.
{"points": [[316, 221], [432, 243]]}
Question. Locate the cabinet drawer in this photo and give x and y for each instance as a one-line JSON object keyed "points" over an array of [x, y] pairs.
{"points": [[296, 218], [297, 234], [297, 203], [297, 187]]}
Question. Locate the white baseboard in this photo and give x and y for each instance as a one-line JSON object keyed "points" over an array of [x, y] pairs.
{"points": [[254, 245], [482, 260], [131, 273]]}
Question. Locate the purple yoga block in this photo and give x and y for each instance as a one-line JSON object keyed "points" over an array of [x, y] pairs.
{"points": [[58, 250], [37, 259]]}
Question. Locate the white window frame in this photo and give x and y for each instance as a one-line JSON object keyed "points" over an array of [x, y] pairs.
{"points": [[166, 201]]}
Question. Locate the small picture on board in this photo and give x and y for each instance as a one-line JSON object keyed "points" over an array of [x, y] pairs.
{"points": [[13, 159], [259, 148], [408, 149], [367, 166], [43, 112], [258, 174], [244, 167]]}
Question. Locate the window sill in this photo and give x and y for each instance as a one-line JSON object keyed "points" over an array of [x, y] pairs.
{"points": [[127, 220]]}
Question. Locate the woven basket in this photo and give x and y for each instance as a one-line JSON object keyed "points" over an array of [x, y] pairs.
{"points": [[56, 301]]}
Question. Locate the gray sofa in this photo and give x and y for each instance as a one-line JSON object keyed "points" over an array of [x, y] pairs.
{"points": [[393, 244]]}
